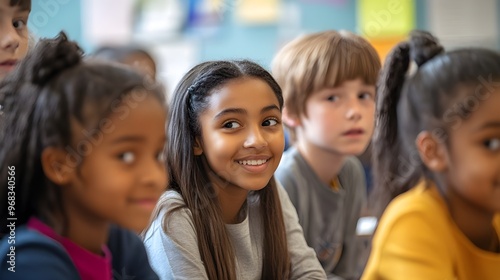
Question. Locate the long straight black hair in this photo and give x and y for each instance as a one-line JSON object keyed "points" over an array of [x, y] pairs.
{"points": [[189, 176]]}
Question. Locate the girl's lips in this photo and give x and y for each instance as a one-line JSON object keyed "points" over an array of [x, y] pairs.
{"points": [[254, 166], [354, 132], [147, 203]]}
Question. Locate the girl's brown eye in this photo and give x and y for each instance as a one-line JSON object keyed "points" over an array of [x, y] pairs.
{"points": [[492, 144], [270, 122], [231, 125], [127, 157]]}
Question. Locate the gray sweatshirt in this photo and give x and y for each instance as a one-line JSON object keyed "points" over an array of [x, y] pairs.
{"points": [[328, 217], [176, 255]]}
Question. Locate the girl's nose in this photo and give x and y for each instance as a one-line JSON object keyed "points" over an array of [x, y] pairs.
{"points": [[255, 138], [154, 174]]}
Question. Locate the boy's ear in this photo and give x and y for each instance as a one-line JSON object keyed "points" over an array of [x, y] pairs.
{"points": [[56, 167], [432, 152], [291, 120], [198, 149]]}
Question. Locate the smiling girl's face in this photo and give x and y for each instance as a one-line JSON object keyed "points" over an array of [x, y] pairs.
{"points": [[242, 134]]}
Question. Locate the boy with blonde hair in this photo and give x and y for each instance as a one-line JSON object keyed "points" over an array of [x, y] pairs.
{"points": [[328, 81]]}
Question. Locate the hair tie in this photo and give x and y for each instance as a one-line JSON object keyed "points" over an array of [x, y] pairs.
{"points": [[412, 68]]}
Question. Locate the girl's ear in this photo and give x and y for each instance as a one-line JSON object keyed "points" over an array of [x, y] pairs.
{"points": [[198, 149], [291, 120], [432, 152], [56, 167]]}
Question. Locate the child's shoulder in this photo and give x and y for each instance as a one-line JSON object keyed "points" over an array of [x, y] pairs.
{"points": [[172, 211], [421, 207], [129, 255], [121, 240], [353, 166], [291, 157], [293, 171], [171, 199], [31, 254], [496, 222]]}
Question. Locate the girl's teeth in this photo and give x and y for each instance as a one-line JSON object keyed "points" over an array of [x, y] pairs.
{"points": [[253, 162]]}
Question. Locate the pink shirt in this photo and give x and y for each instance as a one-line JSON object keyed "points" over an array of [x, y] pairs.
{"points": [[89, 265]]}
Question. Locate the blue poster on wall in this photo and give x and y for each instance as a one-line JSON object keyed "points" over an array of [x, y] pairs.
{"points": [[205, 17]]}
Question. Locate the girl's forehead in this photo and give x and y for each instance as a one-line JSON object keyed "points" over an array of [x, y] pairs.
{"points": [[475, 112], [93, 113], [242, 92]]}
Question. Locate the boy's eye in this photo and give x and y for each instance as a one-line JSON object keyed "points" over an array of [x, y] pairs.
{"points": [[19, 24], [270, 122], [492, 144], [365, 95], [231, 124], [127, 157]]}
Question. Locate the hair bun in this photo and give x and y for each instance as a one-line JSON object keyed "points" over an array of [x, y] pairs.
{"points": [[424, 46], [52, 56]]}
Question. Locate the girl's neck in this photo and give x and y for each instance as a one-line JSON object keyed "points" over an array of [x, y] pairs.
{"points": [[326, 164], [91, 237], [231, 200], [475, 223], [83, 230]]}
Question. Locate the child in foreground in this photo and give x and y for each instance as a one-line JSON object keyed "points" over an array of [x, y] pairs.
{"points": [[80, 161], [224, 215], [437, 157]]}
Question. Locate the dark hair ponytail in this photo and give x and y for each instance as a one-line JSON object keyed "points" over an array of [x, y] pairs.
{"points": [[61, 54], [391, 176], [50, 88], [24, 132]]}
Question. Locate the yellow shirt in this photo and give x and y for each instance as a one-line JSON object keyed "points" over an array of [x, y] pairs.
{"points": [[417, 239]]}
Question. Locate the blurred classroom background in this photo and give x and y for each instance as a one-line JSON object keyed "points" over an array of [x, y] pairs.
{"points": [[182, 33]]}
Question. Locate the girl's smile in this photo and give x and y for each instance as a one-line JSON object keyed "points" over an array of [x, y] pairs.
{"points": [[255, 164], [242, 135]]}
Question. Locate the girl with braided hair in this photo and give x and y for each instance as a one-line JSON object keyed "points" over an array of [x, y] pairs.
{"points": [[224, 216], [80, 161]]}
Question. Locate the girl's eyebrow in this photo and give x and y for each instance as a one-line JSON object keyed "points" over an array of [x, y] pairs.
{"points": [[230, 111], [269, 108], [489, 125], [243, 111], [129, 138]]}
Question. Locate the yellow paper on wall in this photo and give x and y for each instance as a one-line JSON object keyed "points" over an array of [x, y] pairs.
{"points": [[384, 45], [386, 18], [257, 11]]}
